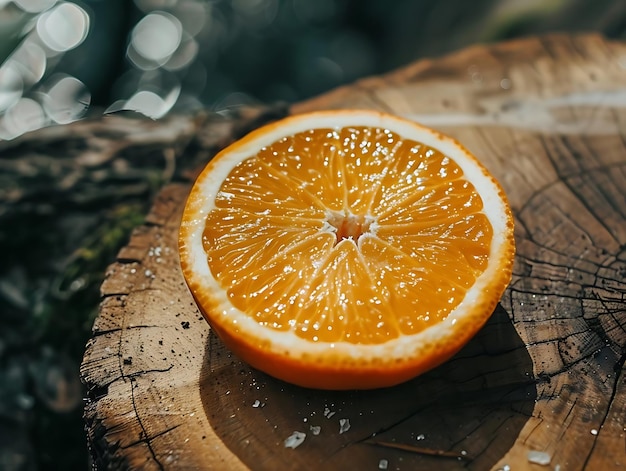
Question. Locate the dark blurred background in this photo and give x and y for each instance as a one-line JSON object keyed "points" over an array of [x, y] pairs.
{"points": [[64, 60], [158, 56]]}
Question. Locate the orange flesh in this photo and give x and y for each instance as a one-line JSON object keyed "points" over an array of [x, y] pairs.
{"points": [[350, 235]]}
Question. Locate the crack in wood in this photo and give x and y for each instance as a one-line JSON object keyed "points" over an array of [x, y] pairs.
{"points": [[140, 373], [619, 366], [419, 450], [99, 332], [147, 438], [152, 437], [129, 293]]}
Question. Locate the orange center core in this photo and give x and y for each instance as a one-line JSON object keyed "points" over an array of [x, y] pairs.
{"points": [[348, 225]]}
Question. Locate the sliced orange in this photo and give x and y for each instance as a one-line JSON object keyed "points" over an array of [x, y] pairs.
{"points": [[346, 249]]}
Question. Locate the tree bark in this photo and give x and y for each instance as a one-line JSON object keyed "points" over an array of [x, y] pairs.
{"points": [[541, 385]]}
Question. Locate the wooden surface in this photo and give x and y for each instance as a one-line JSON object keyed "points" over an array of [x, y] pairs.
{"points": [[540, 387]]}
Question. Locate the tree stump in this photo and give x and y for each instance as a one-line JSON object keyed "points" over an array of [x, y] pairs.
{"points": [[540, 387]]}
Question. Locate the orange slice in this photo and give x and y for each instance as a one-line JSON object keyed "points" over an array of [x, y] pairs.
{"points": [[346, 249]]}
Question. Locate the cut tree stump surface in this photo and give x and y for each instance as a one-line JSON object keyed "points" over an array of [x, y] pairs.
{"points": [[540, 387]]}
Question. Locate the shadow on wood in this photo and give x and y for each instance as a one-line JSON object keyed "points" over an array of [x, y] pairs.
{"points": [[487, 386]]}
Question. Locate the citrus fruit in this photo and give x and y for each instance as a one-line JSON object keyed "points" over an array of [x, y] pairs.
{"points": [[346, 249]]}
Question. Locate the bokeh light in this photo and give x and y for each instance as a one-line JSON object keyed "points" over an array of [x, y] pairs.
{"points": [[31, 95], [65, 99], [25, 115], [180, 55], [34, 6], [63, 27], [151, 104], [12, 86], [31, 61], [155, 38]]}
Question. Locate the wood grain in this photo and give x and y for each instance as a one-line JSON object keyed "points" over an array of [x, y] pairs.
{"points": [[542, 382]]}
